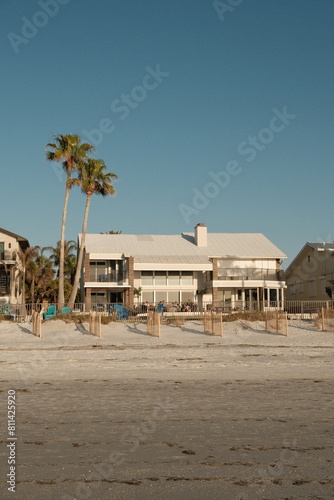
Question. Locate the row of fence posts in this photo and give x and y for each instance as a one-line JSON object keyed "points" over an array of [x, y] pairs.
{"points": [[95, 327], [276, 322]]}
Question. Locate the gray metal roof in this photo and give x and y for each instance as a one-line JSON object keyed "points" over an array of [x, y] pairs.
{"points": [[182, 248], [325, 246]]}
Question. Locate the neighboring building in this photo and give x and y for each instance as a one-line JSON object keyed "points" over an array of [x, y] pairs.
{"points": [[202, 267], [10, 243], [310, 276]]}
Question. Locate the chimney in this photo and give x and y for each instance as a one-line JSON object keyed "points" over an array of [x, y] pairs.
{"points": [[201, 235]]}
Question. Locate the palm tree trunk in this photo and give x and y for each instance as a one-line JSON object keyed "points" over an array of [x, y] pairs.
{"points": [[23, 295], [32, 293], [61, 296], [81, 252]]}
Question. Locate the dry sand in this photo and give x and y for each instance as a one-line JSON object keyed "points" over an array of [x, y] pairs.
{"points": [[187, 415]]}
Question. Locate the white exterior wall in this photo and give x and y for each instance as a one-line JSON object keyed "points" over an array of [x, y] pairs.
{"points": [[243, 264], [10, 245]]}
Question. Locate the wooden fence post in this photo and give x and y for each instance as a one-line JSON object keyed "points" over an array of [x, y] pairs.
{"points": [[277, 328]]}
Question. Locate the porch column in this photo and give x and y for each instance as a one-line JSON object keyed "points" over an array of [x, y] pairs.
{"points": [[12, 273], [243, 298], [128, 295], [214, 295], [214, 269], [88, 299], [85, 277], [260, 291]]}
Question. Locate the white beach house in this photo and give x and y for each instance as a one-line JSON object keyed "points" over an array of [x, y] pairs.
{"points": [[10, 266], [201, 267]]}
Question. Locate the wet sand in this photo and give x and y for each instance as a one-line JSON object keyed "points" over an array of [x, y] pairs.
{"points": [[189, 416]]}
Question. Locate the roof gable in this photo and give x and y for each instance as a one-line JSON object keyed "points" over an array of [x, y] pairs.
{"points": [[24, 243]]}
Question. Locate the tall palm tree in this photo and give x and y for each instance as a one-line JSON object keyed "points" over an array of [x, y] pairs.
{"points": [[92, 179], [70, 151]]}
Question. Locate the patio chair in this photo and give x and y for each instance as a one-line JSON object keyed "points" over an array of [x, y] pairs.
{"points": [[5, 310], [65, 310], [121, 312], [50, 312]]}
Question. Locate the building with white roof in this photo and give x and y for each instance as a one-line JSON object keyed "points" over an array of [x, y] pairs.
{"points": [[199, 267]]}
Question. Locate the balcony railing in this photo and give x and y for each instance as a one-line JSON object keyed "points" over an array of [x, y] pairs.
{"points": [[112, 277], [250, 274]]}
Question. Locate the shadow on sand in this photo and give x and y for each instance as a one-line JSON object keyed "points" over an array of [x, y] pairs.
{"points": [[134, 329], [25, 330], [196, 332], [80, 327]]}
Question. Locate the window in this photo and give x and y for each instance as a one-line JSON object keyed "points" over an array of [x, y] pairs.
{"points": [[160, 278], [2, 251], [186, 278], [147, 278], [98, 298], [147, 297], [159, 296], [97, 269], [187, 296], [173, 296], [174, 278]]}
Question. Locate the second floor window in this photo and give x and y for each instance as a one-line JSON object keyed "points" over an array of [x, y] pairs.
{"points": [[170, 278]]}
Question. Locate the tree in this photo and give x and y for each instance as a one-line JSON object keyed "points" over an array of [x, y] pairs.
{"points": [[26, 257], [40, 275], [112, 232], [70, 258], [70, 152], [92, 179]]}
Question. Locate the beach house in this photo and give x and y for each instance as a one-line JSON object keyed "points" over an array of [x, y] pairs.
{"points": [[10, 244], [197, 268], [310, 276]]}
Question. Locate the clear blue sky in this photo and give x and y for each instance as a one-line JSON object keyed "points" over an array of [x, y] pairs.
{"points": [[183, 92]]}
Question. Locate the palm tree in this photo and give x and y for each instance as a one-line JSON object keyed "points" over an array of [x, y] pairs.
{"points": [[26, 256], [112, 232], [40, 276], [92, 179], [70, 151], [70, 257]]}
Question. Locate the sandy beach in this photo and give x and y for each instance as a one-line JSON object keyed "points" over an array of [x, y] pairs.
{"points": [[187, 415]]}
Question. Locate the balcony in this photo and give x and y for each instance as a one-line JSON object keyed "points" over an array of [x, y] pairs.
{"points": [[242, 274], [111, 277]]}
